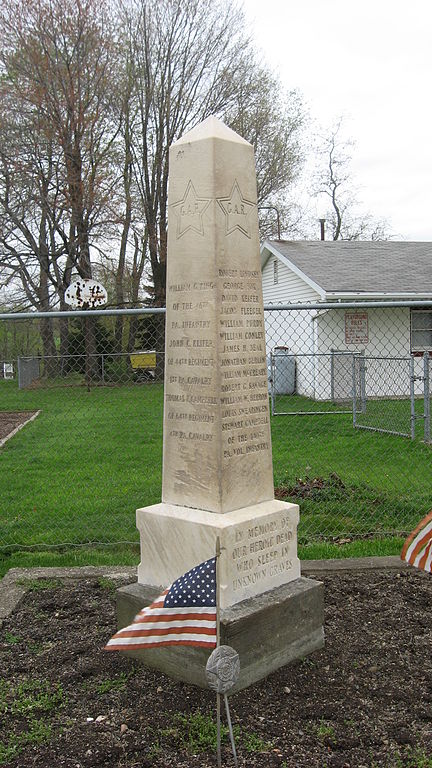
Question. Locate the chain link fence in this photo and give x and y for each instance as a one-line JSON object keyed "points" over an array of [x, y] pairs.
{"points": [[81, 410]]}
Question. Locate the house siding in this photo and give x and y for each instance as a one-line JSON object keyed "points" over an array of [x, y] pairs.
{"points": [[289, 289], [315, 336], [293, 329]]}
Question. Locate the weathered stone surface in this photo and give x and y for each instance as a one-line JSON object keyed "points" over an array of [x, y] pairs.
{"points": [[267, 632], [258, 546], [217, 449]]}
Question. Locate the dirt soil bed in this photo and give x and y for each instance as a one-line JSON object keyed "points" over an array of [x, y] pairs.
{"points": [[364, 700], [10, 420]]}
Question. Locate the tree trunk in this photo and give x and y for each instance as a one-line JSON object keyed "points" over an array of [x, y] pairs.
{"points": [[49, 347], [64, 338], [49, 350], [137, 272], [119, 286], [92, 370], [158, 265]]}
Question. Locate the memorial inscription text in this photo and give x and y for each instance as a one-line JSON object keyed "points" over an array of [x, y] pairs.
{"points": [[229, 344], [262, 551]]}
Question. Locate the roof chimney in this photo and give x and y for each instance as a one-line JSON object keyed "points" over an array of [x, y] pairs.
{"points": [[322, 222]]}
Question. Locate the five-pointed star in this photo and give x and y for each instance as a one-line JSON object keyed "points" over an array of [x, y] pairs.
{"points": [[236, 210], [189, 211]]}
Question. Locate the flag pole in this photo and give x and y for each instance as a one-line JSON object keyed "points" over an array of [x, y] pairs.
{"points": [[218, 700], [218, 553], [231, 732]]}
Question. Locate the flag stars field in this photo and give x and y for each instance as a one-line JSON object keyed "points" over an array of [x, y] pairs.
{"points": [[164, 622]]}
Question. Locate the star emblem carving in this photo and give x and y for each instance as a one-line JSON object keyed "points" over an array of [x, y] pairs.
{"points": [[189, 212], [236, 210]]}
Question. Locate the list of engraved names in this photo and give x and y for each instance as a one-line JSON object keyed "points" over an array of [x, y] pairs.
{"points": [[220, 351], [244, 397]]}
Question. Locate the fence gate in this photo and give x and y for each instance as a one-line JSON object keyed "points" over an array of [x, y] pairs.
{"points": [[399, 404], [348, 375]]}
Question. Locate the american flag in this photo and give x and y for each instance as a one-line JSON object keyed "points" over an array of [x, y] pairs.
{"points": [[417, 549], [184, 614]]}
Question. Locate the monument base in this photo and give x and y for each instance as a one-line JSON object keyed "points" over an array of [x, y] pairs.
{"points": [[267, 631], [258, 546]]}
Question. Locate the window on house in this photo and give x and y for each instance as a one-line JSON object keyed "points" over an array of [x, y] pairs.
{"points": [[275, 272], [421, 330]]}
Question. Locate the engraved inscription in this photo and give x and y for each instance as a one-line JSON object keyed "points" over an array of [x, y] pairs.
{"points": [[262, 552], [236, 209], [189, 212], [191, 360], [243, 366]]}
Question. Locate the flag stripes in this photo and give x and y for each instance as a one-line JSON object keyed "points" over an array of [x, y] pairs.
{"points": [[161, 621], [169, 631], [184, 614], [417, 550], [139, 645], [183, 632]]}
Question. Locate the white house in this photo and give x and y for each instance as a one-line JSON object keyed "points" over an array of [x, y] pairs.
{"points": [[384, 339]]}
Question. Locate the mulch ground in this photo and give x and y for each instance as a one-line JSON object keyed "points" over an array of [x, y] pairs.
{"points": [[364, 700], [10, 420]]}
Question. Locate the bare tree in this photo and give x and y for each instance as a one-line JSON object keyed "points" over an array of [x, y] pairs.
{"points": [[30, 218], [98, 92], [129, 267], [179, 54], [191, 60], [271, 120], [58, 58], [187, 61], [334, 181]]}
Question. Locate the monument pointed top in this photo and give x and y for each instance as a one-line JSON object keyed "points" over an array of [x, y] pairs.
{"points": [[211, 128]]}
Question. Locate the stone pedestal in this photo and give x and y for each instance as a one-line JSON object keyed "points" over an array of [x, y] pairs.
{"points": [[258, 546], [267, 631]]}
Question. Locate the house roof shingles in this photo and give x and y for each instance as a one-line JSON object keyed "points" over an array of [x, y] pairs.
{"points": [[362, 267]]}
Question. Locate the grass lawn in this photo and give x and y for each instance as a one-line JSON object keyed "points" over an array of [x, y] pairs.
{"points": [[383, 482], [77, 473]]}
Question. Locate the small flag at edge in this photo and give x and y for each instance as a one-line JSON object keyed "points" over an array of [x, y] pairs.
{"points": [[417, 550], [184, 614]]}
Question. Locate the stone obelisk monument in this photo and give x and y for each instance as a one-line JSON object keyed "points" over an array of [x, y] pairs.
{"points": [[217, 462]]}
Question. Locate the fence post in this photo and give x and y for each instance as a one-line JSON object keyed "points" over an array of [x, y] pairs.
{"points": [[332, 376], [412, 400], [272, 382], [362, 362], [354, 391], [426, 397]]}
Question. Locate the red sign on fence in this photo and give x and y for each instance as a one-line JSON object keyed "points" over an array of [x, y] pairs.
{"points": [[356, 328]]}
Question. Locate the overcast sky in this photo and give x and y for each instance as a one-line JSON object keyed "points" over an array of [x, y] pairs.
{"points": [[372, 63]]}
